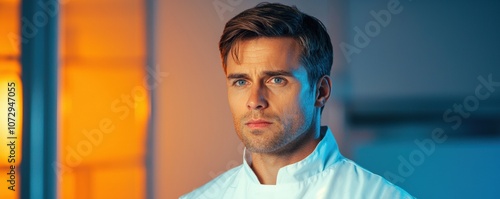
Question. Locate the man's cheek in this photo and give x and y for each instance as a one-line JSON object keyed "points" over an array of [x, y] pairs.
{"points": [[234, 106]]}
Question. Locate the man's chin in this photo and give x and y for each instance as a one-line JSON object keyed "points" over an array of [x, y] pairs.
{"points": [[260, 146], [255, 144], [263, 150], [256, 132]]}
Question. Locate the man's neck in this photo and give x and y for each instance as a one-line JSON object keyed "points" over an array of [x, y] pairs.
{"points": [[267, 165]]}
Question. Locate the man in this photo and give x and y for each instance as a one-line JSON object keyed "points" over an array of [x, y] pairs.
{"points": [[277, 61]]}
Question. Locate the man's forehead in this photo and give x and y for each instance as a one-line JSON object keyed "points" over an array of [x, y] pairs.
{"points": [[276, 53], [265, 43]]}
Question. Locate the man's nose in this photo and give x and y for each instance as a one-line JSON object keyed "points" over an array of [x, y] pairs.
{"points": [[257, 99]]}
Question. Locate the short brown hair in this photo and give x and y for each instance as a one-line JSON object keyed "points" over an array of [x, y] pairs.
{"points": [[278, 20]]}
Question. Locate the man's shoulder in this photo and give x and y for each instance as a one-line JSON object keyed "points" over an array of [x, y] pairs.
{"points": [[215, 186], [367, 182]]}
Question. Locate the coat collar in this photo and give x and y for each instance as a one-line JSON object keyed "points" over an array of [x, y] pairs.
{"points": [[324, 155]]}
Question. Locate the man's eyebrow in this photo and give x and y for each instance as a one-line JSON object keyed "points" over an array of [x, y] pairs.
{"points": [[266, 73], [238, 76], [278, 73]]}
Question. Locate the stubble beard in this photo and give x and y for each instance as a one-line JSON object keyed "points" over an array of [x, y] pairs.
{"points": [[275, 138]]}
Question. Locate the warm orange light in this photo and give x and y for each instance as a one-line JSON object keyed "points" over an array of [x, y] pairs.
{"points": [[10, 120], [103, 131], [4, 192], [10, 130], [9, 30], [104, 104], [100, 121]]}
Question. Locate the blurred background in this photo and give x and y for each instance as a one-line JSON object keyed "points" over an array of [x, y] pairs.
{"points": [[127, 98]]}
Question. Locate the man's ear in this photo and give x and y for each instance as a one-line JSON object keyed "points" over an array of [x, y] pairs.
{"points": [[323, 90]]}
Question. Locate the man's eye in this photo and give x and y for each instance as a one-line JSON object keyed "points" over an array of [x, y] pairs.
{"points": [[239, 82], [278, 80]]}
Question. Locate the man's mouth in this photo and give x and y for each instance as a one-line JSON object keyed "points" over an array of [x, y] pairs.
{"points": [[258, 123]]}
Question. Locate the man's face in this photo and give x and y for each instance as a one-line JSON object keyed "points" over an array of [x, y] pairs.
{"points": [[269, 94]]}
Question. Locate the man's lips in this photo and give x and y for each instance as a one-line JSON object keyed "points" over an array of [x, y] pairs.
{"points": [[258, 123]]}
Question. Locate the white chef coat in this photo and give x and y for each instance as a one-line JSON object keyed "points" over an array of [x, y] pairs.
{"points": [[325, 173]]}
